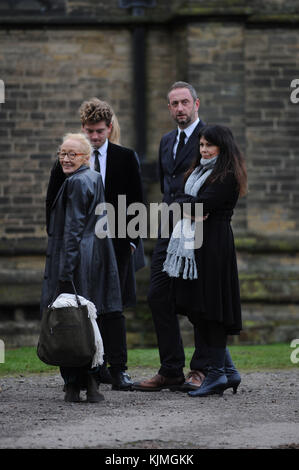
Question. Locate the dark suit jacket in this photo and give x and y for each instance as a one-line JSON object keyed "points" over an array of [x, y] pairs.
{"points": [[122, 178], [172, 171]]}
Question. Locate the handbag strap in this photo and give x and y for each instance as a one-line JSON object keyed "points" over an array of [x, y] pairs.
{"points": [[75, 292], [76, 295]]}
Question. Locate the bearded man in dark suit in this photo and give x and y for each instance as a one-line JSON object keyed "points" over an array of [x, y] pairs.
{"points": [[177, 151]]}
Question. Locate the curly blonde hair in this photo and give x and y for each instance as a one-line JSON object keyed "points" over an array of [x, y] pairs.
{"points": [[95, 110]]}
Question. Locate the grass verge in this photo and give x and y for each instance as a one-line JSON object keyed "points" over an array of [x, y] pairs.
{"points": [[247, 358]]}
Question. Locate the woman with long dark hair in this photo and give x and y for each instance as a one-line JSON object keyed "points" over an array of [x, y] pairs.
{"points": [[206, 285]]}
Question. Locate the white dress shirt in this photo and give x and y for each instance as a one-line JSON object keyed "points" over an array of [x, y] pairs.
{"points": [[102, 160], [103, 163], [188, 131]]}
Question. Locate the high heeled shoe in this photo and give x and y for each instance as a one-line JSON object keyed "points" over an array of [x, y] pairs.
{"points": [[233, 376], [212, 385], [216, 380]]}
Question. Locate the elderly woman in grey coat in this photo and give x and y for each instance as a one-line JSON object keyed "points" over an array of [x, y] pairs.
{"points": [[76, 255]]}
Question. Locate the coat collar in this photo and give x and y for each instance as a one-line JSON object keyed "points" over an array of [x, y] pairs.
{"points": [[81, 168], [62, 187]]}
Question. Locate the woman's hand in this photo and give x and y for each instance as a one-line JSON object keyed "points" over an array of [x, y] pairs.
{"points": [[197, 219]]}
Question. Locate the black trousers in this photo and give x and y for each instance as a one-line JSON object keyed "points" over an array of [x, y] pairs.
{"points": [[212, 334], [112, 325], [171, 350]]}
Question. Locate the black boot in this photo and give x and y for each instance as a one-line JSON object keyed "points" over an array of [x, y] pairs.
{"points": [[93, 396], [72, 393], [233, 376], [104, 376], [216, 380]]}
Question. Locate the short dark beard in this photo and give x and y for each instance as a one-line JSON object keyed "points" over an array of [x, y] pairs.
{"points": [[185, 122]]}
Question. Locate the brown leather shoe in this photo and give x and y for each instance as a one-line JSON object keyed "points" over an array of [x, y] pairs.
{"points": [[159, 382], [193, 380]]}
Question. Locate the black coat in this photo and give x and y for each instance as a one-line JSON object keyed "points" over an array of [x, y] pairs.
{"points": [[122, 177], [74, 252], [215, 294]]}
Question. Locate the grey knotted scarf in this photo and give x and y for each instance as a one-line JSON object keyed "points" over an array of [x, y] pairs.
{"points": [[180, 257]]}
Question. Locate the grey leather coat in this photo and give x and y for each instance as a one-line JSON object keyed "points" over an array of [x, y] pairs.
{"points": [[74, 252]]}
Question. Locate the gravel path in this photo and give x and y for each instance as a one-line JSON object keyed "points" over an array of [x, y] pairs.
{"points": [[263, 414]]}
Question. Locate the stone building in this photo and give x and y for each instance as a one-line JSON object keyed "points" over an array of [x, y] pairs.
{"points": [[243, 59]]}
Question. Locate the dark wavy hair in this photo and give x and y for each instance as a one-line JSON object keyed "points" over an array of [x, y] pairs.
{"points": [[230, 159]]}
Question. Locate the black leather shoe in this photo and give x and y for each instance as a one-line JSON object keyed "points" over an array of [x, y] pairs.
{"points": [[121, 381]]}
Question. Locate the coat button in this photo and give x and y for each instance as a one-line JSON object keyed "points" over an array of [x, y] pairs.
{"points": [[172, 194], [174, 176]]}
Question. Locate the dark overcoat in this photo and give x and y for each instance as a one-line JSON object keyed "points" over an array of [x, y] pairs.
{"points": [[123, 177], [215, 294], [74, 252]]}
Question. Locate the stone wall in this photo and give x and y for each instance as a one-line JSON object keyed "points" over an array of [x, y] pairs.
{"points": [[48, 73], [272, 59], [240, 56]]}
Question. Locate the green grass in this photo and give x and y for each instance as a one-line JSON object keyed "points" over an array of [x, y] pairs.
{"points": [[263, 357], [23, 361], [247, 358]]}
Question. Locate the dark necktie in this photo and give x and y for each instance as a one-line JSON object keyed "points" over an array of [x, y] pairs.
{"points": [[96, 161], [180, 144]]}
